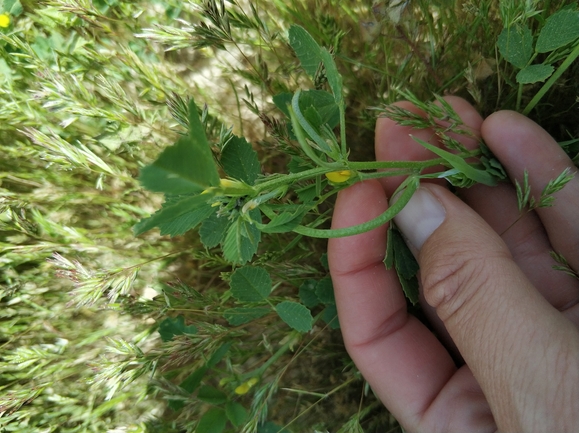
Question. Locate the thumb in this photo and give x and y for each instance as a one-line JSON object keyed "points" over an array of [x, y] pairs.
{"points": [[513, 340]]}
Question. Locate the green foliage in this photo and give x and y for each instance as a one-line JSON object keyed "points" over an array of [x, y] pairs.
{"points": [[515, 43]]}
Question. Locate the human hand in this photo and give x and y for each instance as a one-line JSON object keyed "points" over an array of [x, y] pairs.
{"points": [[491, 294]]}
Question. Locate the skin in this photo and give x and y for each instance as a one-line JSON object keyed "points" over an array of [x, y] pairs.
{"points": [[507, 353]]}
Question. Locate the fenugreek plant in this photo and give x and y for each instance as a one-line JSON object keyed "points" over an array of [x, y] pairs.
{"points": [[243, 120]]}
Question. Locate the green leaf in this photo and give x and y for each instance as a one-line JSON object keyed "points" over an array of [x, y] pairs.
{"points": [[325, 291], [193, 381], [240, 161], [236, 413], [389, 256], [516, 45], [285, 221], [308, 295], [171, 327], [282, 100], [297, 316], [250, 284], [212, 421], [460, 164], [186, 167], [404, 261], [241, 316], [330, 316], [534, 73], [410, 288], [242, 239], [334, 77], [219, 354], [213, 230], [306, 48], [307, 193], [211, 395], [176, 217], [322, 101], [14, 7], [270, 427], [560, 29]]}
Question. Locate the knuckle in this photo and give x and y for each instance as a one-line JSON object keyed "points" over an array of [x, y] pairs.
{"points": [[452, 280]]}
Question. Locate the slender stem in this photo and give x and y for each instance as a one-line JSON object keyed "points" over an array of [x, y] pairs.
{"points": [[568, 61], [411, 165], [343, 130], [519, 97], [369, 225]]}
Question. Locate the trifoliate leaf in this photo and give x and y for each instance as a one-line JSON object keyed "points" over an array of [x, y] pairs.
{"points": [[285, 221], [534, 74], [177, 215], [213, 230], [236, 413], [186, 167], [306, 48], [240, 316], [325, 291], [208, 394], [250, 284], [219, 354], [192, 382], [212, 421], [516, 45], [297, 316], [171, 327], [560, 29], [240, 161], [242, 239], [308, 295], [330, 316]]}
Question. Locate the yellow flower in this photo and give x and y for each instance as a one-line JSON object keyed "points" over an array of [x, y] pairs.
{"points": [[4, 20], [246, 386], [339, 176]]}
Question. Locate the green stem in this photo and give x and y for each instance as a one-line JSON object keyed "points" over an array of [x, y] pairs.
{"points": [[568, 61], [519, 97], [343, 130], [392, 211], [259, 372], [411, 165]]}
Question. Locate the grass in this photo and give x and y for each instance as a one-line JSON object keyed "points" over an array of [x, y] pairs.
{"points": [[91, 92]]}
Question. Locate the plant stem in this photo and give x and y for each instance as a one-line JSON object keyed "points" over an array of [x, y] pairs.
{"points": [[568, 61], [390, 213]]}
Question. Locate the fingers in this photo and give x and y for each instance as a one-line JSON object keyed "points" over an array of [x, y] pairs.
{"points": [[521, 144], [527, 241], [512, 339], [394, 142], [373, 317]]}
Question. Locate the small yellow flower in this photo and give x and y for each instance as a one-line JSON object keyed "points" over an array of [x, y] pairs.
{"points": [[246, 386], [339, 176], [4, 20]]}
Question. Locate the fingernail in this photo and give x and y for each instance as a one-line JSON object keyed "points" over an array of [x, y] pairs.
{"points": [[420, 217]]}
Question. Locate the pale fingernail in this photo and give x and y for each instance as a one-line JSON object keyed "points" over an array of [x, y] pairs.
{"points": [[420, 217]]}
